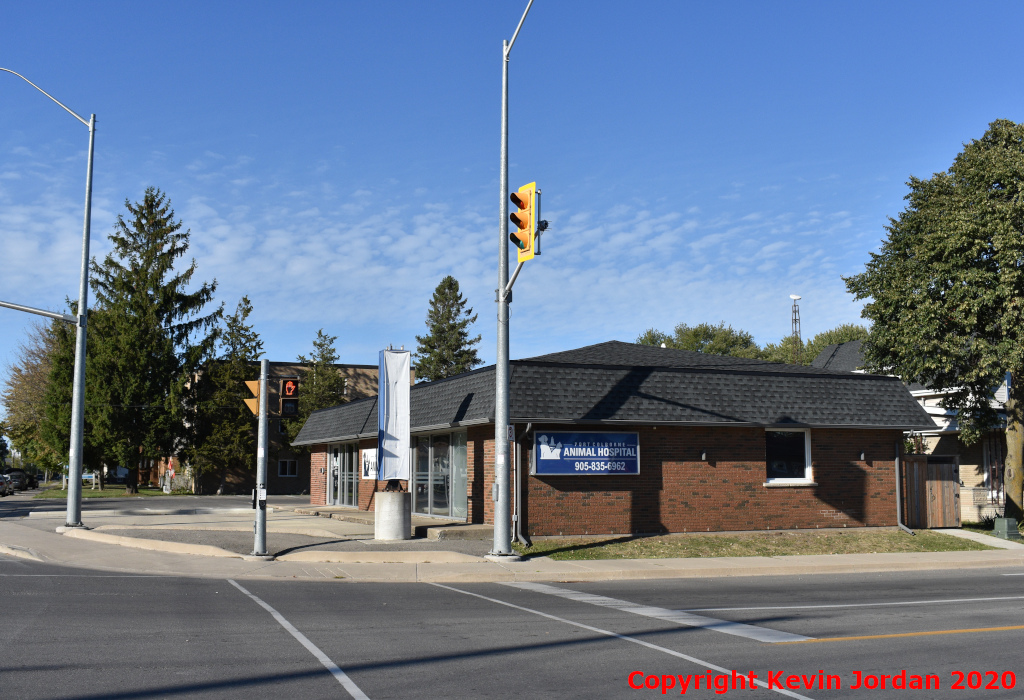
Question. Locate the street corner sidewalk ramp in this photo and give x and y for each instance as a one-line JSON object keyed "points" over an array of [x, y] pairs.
{"points": [[152, 545], [13, 550], [397, 557]]}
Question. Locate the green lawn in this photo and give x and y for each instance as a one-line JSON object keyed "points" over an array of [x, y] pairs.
{"points": [[749, 545], [111, 491]]}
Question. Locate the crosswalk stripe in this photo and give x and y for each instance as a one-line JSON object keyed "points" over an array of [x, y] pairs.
{"points": [[739, 629]]}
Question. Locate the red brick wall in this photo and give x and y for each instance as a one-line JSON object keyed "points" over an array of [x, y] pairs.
{"points": [[480, 473], [368, 487], [318, 475], [677, 492]]}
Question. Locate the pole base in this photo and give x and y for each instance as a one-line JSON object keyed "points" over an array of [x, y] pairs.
{"points": [[500, 558], [61, 529], [258, 557]]}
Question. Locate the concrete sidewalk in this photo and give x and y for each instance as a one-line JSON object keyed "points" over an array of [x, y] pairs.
{"points": [[325, 546]]}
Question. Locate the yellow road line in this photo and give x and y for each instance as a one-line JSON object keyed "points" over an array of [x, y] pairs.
{"points": [[905, 634]]}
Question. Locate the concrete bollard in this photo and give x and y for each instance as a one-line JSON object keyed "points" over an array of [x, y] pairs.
{"points": [[392, 518]]}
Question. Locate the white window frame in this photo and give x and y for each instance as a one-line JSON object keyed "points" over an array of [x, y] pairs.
{"points": [[808, 478], [294, 467]]}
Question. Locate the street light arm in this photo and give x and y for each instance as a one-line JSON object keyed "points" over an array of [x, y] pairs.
{"points": [[508, 48], [66, 108]]}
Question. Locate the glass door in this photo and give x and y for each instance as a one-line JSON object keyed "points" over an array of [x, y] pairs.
{"points": [[460, 506], [350, 476], [334, 476], [421, 476], [440, 475]]}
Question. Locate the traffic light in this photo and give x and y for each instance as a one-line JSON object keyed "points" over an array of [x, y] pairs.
{"points": [[254, 404], [525, 219]]}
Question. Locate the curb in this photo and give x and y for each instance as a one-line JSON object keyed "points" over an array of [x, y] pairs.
{"points": [[402, 557], [20, 552], [152, 545], [143, 511]]}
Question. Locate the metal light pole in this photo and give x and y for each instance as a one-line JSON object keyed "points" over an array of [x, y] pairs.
{"points": [[501, 494], [74, 515], [259, 547]]}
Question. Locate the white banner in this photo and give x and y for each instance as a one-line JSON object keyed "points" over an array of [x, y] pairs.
{"points": [[393, 459]]}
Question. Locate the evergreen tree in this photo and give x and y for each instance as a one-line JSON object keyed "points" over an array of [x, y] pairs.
{"points": [[321, 384], [225, 430], [150, 338], [945, 291], [447, 349]]}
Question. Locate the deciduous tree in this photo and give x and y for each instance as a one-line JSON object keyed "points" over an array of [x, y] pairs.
{"points": [[792, 347], [24, 398], [706, 338], [946, 291]]}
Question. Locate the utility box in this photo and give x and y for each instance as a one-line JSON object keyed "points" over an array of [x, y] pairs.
{"points": [[1006, 528]]}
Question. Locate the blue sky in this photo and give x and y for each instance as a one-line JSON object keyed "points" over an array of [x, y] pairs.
{"points": [[334, 160]]}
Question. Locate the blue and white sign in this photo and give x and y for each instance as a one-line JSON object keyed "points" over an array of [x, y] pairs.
{"points": [[585, 453]]}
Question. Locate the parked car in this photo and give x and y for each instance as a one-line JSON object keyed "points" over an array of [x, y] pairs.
{"points": [[6, 489], [18, 478]]}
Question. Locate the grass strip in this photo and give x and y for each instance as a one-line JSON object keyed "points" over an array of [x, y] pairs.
{"points": [[111, 491], [774, 544]]}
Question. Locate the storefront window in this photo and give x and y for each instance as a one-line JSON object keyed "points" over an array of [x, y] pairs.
{"points": [[440, 476], [342, 476], [460, 507]]}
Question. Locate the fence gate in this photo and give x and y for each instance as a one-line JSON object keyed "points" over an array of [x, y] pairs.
{"points": [[931, 491]]}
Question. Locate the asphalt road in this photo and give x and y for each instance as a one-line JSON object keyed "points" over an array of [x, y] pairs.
{"points": [[73, 633]]}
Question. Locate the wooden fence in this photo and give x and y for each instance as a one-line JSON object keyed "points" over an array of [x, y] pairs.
{"points": [[930, 486]]}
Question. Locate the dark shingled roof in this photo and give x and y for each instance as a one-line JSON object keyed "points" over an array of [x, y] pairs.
{"points": [[617, 382], [845, 357], [848, 357]]}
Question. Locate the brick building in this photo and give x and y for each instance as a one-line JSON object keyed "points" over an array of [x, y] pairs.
{"points": [[712, 443]]}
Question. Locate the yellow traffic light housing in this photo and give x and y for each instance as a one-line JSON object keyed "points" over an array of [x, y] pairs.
{"points": [[254, 404], [525, 219]]}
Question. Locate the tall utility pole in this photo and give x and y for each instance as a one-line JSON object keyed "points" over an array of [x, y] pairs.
{"points": [[501, 493], [796, 328], [74, 514]]}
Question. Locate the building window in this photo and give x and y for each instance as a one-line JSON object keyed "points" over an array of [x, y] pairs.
{"points": [[788, 456], [287, 467]]}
